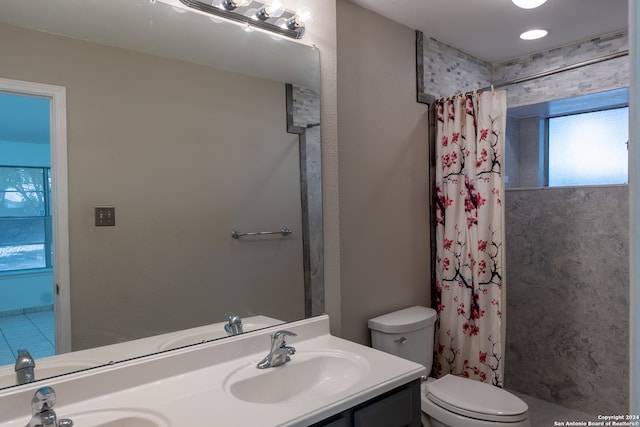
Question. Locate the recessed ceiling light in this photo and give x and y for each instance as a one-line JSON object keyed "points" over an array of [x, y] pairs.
{"points": [[533, 34], [528, 4]]}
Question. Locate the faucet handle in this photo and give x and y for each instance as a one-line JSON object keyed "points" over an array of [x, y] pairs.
{"points": [[282, 334], [232, 317], [43, 399]]}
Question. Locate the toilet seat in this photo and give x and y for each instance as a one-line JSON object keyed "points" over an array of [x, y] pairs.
{"points": [[476, 400]]}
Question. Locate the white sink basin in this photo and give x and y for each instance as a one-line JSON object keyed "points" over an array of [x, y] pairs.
{"points": [[308, 376], [48, 368], [117, 418]]}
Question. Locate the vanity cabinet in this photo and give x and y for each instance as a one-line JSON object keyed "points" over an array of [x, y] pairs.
{"points": [[399, 407]]}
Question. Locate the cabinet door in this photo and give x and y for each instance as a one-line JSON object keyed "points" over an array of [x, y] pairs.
{"points": [[343, 420], [400, 409]]}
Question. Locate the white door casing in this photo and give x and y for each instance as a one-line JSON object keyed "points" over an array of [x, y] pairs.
{"points": [[60, 205]]}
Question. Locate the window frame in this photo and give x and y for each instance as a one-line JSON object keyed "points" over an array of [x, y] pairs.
{"points": [[47, 220], [544, 158]]}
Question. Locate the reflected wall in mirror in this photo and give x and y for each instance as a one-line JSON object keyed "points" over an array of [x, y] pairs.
{"points": [[181, 125]]}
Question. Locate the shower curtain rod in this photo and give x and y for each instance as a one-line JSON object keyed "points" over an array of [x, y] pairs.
{"points": [[550, 72]]}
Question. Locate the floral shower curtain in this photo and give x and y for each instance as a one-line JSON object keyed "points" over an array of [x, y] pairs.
{"points": [[469, 235]]}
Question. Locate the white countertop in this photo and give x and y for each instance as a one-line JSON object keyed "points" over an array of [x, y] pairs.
{"points": [[108, 354], [186, 387]]}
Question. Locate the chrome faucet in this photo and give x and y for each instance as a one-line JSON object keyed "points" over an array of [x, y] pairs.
{"points": [[24, 367], [234, 324], [43, 414], [279, 354]]}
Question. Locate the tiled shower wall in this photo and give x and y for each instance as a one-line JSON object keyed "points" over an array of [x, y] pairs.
{"points": [[598, 77], [306, 114], [567, 265], [448, 71], [567, 289]]}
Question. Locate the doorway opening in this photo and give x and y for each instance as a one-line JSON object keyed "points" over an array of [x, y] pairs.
{"points": [[34, 261]]}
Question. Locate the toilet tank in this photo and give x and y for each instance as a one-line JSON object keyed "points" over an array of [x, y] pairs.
{"points": [[406, 333]]}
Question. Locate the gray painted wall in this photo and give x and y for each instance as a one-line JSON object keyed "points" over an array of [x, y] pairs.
{"points": [[383, 162]]}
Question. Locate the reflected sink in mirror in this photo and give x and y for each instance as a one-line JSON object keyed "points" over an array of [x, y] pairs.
{"points": [[48, 368], [215, 331], [117, 418], [308, 376]]}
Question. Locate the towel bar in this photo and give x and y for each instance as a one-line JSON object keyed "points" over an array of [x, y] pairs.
{"points": [[285, 231]]}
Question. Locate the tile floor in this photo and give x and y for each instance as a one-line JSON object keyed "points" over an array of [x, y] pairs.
{"points": [[34, 331], [546, 414]]}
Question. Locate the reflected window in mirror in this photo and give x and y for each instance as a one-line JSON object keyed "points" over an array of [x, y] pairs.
{"points": [[570, 142], [25, 218]]}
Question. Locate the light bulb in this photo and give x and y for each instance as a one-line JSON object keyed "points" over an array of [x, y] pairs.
{"points": [[229, 4], [275, 9], [528, 4], [533, 34]]}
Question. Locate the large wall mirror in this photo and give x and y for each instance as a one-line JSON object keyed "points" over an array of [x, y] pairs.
{"points": [[189, 129]]}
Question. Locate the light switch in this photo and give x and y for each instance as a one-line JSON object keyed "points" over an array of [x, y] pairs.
{"points": [[105, 216]]}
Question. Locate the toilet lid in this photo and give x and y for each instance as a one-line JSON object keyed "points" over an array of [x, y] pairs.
{"points": [[474, 399]]}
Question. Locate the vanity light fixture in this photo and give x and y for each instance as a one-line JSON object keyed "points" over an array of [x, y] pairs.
{"points": [[265, 15], [528, 4], [229, 4], [534, 34], [273, 10]]}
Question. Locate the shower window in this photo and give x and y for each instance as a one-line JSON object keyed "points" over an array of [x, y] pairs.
{"points": [[25, 218], [569, 142], [589, 148]]}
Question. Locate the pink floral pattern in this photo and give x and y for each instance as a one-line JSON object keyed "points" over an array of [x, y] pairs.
{"points": [[469, 241]]}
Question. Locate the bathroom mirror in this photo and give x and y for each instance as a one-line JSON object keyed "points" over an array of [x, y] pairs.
{"points": [[189, 129]]}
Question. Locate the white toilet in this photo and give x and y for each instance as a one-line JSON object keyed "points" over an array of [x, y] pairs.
{"points": [[450, 401]]}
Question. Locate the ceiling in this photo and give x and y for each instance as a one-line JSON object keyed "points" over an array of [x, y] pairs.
{"points": [[162, 28], [490, 29], [157, 29]]}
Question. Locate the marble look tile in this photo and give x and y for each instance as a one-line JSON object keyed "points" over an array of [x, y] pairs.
{"points": [[567, 305]]}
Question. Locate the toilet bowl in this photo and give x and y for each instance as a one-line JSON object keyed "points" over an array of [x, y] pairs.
{"points": [[450, 401]]}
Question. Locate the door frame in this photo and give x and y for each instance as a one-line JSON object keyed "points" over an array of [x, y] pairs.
{"points": [[60, 201]]}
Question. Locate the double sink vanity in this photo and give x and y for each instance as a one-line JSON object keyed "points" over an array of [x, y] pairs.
{"points": [[313, 378]]}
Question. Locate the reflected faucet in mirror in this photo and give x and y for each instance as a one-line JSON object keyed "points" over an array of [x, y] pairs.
{"points": [[24, 367], [234, 324]]}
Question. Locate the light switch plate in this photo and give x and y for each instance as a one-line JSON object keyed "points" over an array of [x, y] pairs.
{"points": [[105, 216]]}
